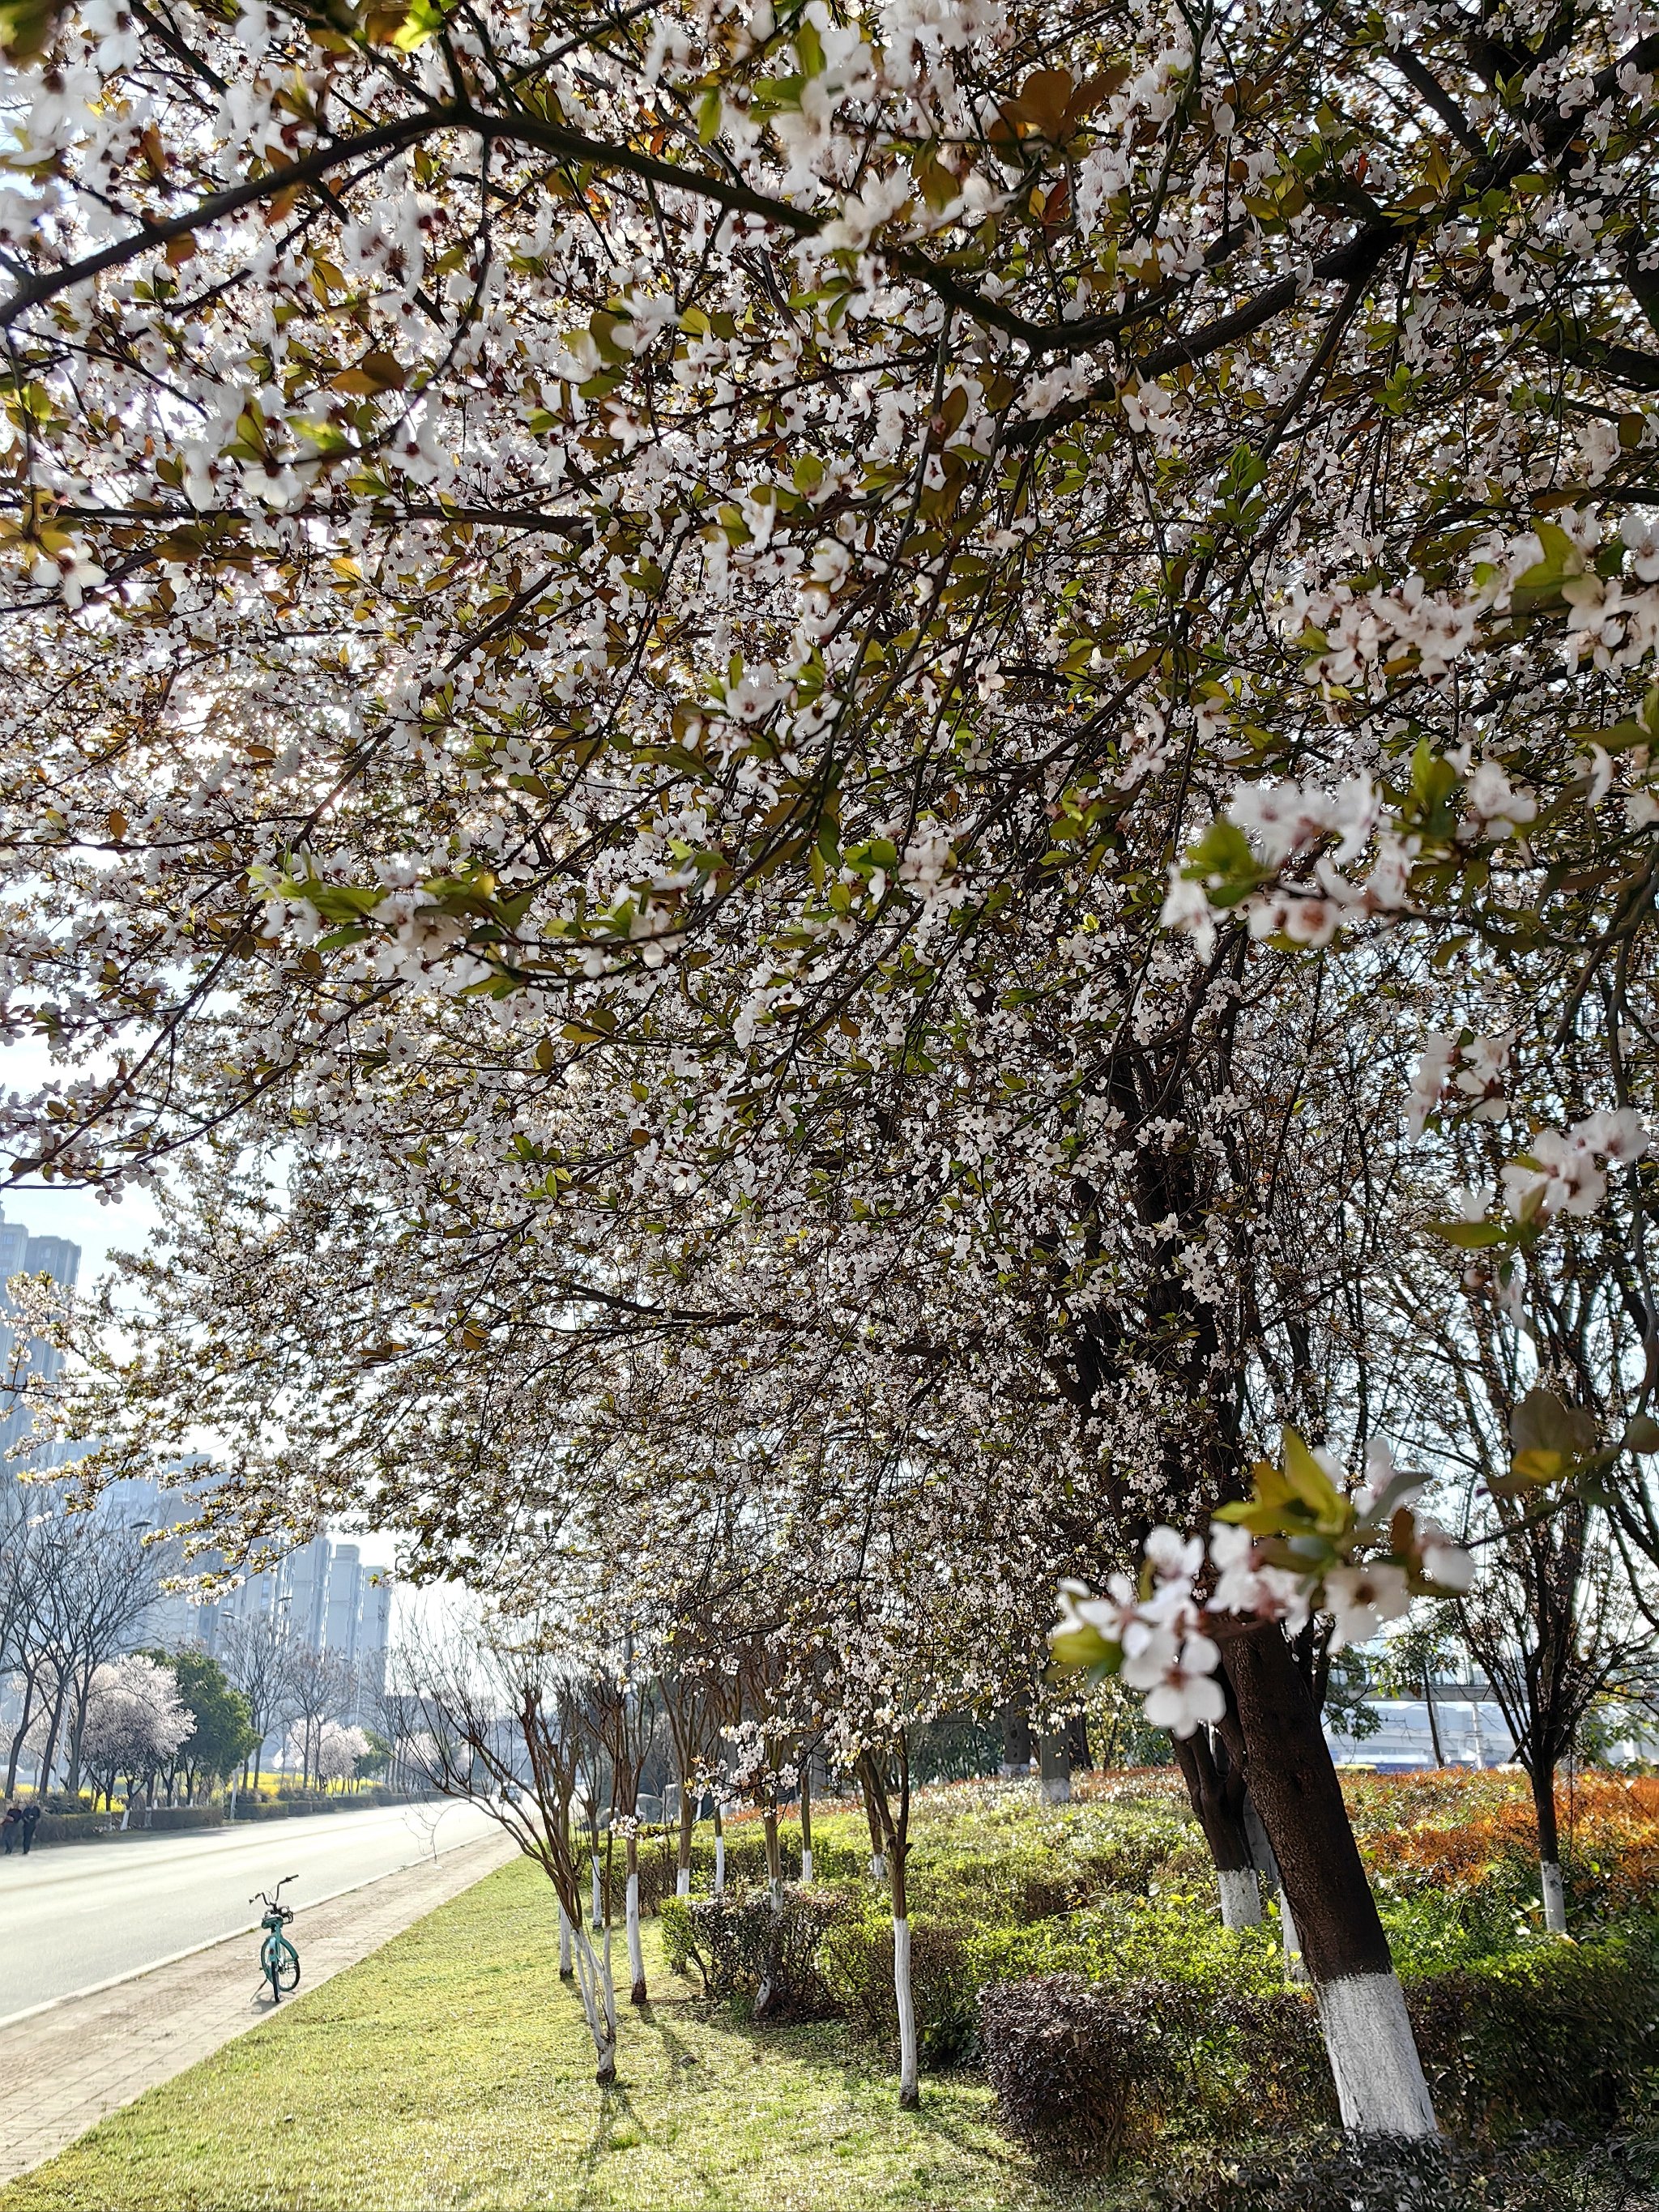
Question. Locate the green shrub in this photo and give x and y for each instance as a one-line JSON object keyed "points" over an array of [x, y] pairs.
{"points": [[741, 1946], [1567, 2032], [856, 1962]]}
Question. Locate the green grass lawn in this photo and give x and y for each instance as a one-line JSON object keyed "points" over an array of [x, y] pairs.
{"points": [[452, 2069]]}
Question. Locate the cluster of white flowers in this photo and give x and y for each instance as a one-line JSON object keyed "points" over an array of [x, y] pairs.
{"points": [[1566, 1171], [1160, 1630], [1472, 1074]]}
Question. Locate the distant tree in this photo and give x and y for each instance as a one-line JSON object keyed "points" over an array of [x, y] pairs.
{"points": [[339, 1751], [1408, 1664], [260, 1665], [319, 1690], [135, 1723], [223, 1734], [374, 1762]]}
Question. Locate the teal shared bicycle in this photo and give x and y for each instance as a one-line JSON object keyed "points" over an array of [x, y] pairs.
{"points": [[279, 1960]]}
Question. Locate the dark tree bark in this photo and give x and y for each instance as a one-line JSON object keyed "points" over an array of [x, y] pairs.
{"points": [[1273, 1733]]}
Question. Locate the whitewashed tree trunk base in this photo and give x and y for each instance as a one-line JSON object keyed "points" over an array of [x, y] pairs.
{"points": [[1241, 1896], [1555, 1898], [682, 1881], [598, 2007], [1057, 1789], [1380, 2089], [878, 1866], [909, 2092], [635, 1948], [719, 1866], [806, 1864], [596, 1914]]}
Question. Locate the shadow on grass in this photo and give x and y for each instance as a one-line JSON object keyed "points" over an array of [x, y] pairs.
{"points": [[830, 2047]]}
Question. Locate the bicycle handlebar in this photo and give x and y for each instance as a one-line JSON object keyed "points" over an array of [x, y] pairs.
{"points": [[259, 1896]]}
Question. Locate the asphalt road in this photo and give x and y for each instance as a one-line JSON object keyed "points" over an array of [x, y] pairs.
{"points": [[74, 1915]]}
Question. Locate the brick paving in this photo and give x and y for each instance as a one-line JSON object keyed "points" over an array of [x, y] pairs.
{"points": [[64, 2068]]}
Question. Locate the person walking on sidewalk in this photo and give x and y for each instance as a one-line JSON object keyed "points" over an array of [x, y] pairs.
{"points": [[11, 1823], [29, 1823]]}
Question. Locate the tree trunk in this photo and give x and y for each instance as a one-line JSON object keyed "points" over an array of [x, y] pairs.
{"points": [[1054, 1769], [48, 1757], [16, 1752], [720, 1851], [636, 1951], [774, 1857], [1434, 1717], [1015, 1742], [1542, 1778], [598, 2003], [1077, 1743], [877, 1854], [682, 1864], [565, 1969], [909, 2089], [598, 1900], [806, 1820], [1380, 2085], [1216, 1791]]}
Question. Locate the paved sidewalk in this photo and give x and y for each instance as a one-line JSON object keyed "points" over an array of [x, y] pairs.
{"points": [[65, 2067]]}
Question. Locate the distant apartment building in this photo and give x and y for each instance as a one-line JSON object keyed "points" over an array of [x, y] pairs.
{"points": [[23, 1254], [327, 1599]]}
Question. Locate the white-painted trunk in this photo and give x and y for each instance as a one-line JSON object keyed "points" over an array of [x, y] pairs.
{"points": [[1241, 1896], [564, 1945], [1380, 2089], [635, 1949], [719, 1866], [598, 1909], [682, 1881], [1056, 1788], [1555, 1898], [601, 2020], [907, 2012], [806, 1864], [878, 1866], [609, 1982]]}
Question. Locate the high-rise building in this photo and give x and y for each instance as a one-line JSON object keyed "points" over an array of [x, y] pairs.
{"points": [[23, 1254], [325, 1596]]}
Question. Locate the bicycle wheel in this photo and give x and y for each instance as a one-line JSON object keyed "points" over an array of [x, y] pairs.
{"points": [[271, 1967], [285, 1973]]}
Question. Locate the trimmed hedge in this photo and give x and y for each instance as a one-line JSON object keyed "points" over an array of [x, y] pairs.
{"points": [[1080, 2073], [1566, 2034], [741, 1945], [1554, 2172], [1570, 2033]]}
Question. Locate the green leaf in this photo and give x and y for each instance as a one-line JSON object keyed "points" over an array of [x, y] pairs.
{"points": [[1642, 1434], [1472, 1235], [422, 22], [1309, 1481], [25, 27], [1223, 862]]}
